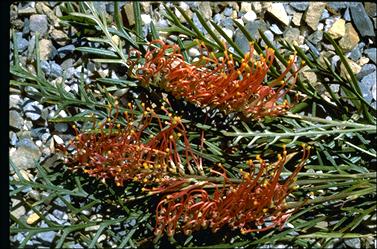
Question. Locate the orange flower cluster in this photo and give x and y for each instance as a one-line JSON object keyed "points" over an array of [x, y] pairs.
{"points": [[219, 82], [245, 206], [130, 153]]}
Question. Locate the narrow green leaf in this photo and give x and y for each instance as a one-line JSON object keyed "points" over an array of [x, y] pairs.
{"points": [[138, 22], [154, 32], [98, 51]]}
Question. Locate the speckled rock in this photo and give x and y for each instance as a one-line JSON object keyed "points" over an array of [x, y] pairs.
{"points": [[23, 157], [296, 20], [38, 23], [15, 120], [47, 50], [313, 14], [350, 38]]}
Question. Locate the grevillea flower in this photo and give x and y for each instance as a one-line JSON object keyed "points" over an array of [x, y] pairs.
{"points": [[259, 198], [131, 153], [222, 83]]}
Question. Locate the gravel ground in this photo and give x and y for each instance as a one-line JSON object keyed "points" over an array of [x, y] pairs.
{"points": [[32, 138]]}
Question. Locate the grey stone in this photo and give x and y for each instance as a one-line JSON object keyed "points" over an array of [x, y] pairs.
{"points": [[217, 18], [313, 48], [19, 237], [291, 34], [347, 15], [76, 246], [38, 23], [290, 11], [12, 138], [316, 37], [325, 14], [68, 63], [65, 50], [252, 28], [162, 23], [15, 120], [25, 155], [365, 70], [34, 194], [56, 69], [366, 86], [353, 243], [45, 137], [110, 8], [355, 54], [100, 6], [32, 109], [275, 28], [60, 214], [270, 36], [337, 5], [60, 203], [198, 24], [371, 53], [14, 101], [45, 66], [361, 20], [228, 11], [18, 209], [69, 72], [299, 6], [26, 26], [227, 22], [61, 127], [37, 133], [47, 237], [374, 92], [31, 47], [22, 43]]}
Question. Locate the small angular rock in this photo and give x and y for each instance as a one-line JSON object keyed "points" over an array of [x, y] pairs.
{"points": [[313, 14], [350, 38], [361, 20], [25, 154], [296, 20], [46, 49], [38, 23], [278, 11], [299, 6], [338, 29], [15, 120], [371, 53], [249, 16]]}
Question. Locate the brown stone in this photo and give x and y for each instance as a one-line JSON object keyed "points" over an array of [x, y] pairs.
{"points": [[313, 14], [350, 38]]}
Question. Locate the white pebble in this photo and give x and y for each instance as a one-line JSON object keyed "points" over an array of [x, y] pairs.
{"points": [[58, 139], [249, 16], [38, 143]]}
